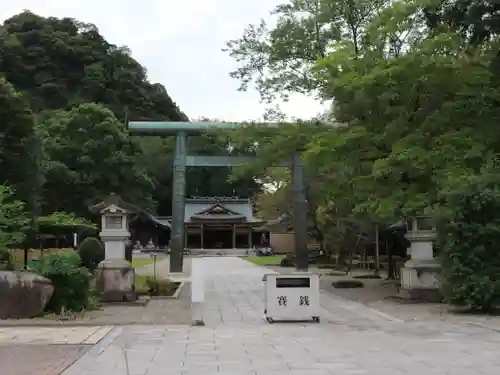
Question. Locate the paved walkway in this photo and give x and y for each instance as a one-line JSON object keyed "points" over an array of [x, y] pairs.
{"points": [[38, 359], [45, 350], [351, 339], [52, 335]]}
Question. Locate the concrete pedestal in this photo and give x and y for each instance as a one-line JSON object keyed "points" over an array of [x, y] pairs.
{"points": [[419, 280], [419, 275], [115, 281]]}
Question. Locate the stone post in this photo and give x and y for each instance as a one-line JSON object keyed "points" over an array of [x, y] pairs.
{"points": [[115, 278], [419, 275], [177, 241], [299, 213]]}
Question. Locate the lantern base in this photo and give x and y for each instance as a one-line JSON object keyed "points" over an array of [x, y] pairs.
{"points": [[115, 281], [419, 281]]}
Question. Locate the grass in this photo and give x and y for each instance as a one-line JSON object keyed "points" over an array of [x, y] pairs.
{"points": [[140, 281], [141, 262], [273, 260], [18, 255], [141, 285]]}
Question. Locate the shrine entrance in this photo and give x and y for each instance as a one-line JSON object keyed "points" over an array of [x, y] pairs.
{"points": [[181, 130], [216, 238], [219, 223]]}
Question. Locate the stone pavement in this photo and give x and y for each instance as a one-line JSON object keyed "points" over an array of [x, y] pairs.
{"points": [[44, 350], [52, 335], [38, 359], [351, 339]]}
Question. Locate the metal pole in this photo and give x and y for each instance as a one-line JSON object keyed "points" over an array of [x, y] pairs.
{"points": [[299, 213], [178, 194]]}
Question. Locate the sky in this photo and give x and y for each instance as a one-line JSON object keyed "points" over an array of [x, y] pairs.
{"points": [[179, 42]]}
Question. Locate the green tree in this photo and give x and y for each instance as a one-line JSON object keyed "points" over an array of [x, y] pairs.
{"points": [[271, 146], [17, 137], [90, 155], [13, 224], [471, 266], [13, 218], [60, 63], [476, 20], [280, 60]]}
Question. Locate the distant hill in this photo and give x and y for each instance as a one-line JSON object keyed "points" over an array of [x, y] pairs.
{"points": [[61, 63]]}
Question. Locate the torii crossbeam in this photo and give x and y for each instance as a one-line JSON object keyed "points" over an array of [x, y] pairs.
{"points": [[181, 130]]}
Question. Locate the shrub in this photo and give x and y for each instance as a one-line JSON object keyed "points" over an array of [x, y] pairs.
{"points": [[367, 277], [287, 261], [161, 287], [72, 283], [470, 261], [6, 262], [91, 252], [345, 284]]}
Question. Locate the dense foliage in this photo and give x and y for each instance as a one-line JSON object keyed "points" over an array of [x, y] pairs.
{"points": [[13, 223], [415, 88], [65, 92], [61, 63], [17, 127], [71, 281], [470, 258], [91, 252]]}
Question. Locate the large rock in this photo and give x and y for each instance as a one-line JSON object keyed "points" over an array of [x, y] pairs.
{"points": [[23, 294]]}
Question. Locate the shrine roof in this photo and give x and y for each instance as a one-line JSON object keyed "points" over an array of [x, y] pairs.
{"points": [[219, 209], [114, 200]]}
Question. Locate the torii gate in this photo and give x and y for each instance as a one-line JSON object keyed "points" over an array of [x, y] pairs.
{"points": [[181, 130]]}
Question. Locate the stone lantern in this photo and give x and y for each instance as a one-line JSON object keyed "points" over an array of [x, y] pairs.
{"points": [[419, 275], [115, 275]]}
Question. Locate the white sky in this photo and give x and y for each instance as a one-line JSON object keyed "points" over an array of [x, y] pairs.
{"points": [[179, 42]]}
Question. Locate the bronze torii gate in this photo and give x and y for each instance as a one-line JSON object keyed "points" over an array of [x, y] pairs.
{"points": [[181, 130]]}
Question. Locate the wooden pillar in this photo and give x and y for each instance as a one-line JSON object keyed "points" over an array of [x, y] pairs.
{"points": [[201, 236], [249, 237], [234, 236]]}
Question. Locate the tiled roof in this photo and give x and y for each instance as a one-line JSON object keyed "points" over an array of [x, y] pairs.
{"points": [[236, 208]]}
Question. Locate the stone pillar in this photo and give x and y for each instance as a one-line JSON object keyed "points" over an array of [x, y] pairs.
{"points": [[115, 275], [201, 237], [419, 276], [234, 236], [299, 213], [178, 194]]}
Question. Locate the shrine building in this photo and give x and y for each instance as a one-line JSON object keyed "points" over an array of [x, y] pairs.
{"points": [[221, 223]]}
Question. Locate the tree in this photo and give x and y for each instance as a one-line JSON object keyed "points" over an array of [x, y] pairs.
{"points": [[281, 60], [401, 111], [271, 145], [60, 63], [90, 155], [471, 266], [61, 66], [476, 20], [13, 218], [13, 224], [17, 136]]}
